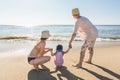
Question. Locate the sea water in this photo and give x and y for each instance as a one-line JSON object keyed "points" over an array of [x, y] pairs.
{"points": [[58, 32], [24, 38]]}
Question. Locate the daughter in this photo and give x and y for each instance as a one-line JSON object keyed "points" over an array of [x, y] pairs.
{"points": [[59, 55]]}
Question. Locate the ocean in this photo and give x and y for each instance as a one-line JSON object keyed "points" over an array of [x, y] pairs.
{"points": [[58, 32], [24, 38]]}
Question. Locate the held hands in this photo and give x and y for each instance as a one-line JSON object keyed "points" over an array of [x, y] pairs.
{"points": [[51, 51], [70, 46], [48, 49]]}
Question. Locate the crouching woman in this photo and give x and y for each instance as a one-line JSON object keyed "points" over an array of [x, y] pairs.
{"points": [[36, 56]]}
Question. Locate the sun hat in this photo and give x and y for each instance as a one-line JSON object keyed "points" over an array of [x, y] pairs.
{"points": [[45, 34], [75, 11]]}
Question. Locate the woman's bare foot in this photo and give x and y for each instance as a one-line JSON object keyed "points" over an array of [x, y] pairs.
{"points": [[36, 67], [77, 65]]}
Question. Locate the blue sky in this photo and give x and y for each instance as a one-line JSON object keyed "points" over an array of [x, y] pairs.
{"points": [[48, 12]]}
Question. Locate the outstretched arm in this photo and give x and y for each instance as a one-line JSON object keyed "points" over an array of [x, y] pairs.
{"points": [[48, 49], [51, 52], [72, 38], [67, 50], [44, 50]]}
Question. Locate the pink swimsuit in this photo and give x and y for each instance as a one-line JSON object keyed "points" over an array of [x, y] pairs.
{"points": [[59, 59]]}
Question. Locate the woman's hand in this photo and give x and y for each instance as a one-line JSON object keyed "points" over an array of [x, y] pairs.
{"points": [[48, 49], [72, 38], [51, 50], [70, 46]]}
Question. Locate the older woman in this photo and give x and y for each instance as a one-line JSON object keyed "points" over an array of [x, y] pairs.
{"points": [[88, 34]]}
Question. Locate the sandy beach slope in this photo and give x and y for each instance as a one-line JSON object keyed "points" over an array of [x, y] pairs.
{"points": [[106, 66]]}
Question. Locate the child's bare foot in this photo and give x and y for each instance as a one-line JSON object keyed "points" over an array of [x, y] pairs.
{"points": [[77, 65], [89, 62], [58, 66], [36, 67]]}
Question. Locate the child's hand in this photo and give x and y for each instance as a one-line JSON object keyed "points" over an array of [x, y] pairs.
{"points": [[69, 48]]}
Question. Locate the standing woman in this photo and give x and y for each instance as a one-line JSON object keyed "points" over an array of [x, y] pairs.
{"points": [[36, 56], [88, 34]]}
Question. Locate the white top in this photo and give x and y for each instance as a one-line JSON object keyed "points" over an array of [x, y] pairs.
{"points": [[86, 29]]}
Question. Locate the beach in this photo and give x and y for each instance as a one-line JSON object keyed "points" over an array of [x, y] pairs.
{"points": [[30, 28], [105, 66], [16, 42]]}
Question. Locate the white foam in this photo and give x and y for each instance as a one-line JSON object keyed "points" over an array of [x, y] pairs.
{"points": [[14, 53]]}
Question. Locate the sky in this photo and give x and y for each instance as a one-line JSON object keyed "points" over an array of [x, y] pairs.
{"points": [[58, 12]]}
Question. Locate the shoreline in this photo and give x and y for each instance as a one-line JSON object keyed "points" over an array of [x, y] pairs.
{"points": [[12, 48]]}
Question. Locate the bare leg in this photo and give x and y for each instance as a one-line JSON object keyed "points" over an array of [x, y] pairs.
{"points": [[39, 61], [90, 55], [82, 55], [36, 67], [79, 65]]}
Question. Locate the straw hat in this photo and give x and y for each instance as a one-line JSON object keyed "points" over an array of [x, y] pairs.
{"points": [[75, 11], [45, 34]]}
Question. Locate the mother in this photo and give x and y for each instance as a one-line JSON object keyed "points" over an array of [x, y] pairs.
{"points": [[36, 56]]}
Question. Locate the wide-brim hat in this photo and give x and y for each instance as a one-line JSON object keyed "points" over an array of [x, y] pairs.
{"points": [[45, 34], [75, 11]]}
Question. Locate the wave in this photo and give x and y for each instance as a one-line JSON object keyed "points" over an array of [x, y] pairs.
{"points": [[108, 39], [17, 37], [54, 38]]}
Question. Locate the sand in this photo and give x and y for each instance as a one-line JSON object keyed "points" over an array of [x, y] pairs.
{"points": [[106, 66]]}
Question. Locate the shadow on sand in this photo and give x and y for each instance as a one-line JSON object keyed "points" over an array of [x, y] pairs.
{"points": [[100, 77], [66, 74], [40, 75], [108, 71], [46, 74]]}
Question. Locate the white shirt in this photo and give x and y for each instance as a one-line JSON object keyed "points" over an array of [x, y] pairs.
{"points": [[86, 29]]}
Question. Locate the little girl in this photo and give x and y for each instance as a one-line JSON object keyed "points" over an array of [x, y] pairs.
{"points": [[59, 55]]}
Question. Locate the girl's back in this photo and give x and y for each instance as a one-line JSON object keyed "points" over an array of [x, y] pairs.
{"points": [[59, 58]]}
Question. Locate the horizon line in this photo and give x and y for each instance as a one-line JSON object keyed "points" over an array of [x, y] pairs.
{"points": [[59, 25]]}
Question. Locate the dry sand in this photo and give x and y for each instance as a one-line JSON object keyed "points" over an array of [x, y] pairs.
{"points": [[106, 66]]}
